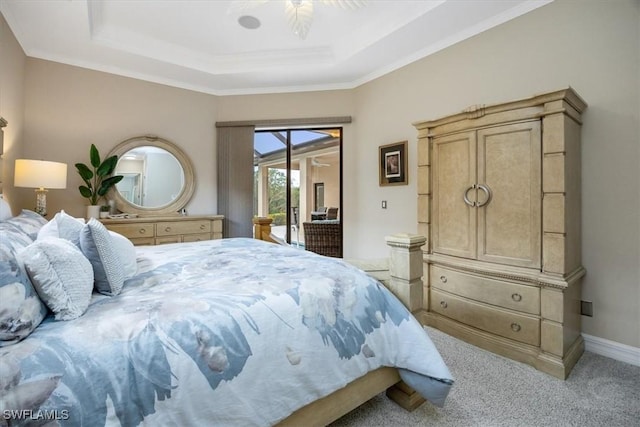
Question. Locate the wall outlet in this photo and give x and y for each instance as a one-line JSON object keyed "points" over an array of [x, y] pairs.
{"points": [[586, 308], [384, 204]]}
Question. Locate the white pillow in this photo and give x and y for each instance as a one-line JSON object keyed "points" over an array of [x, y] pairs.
{"points": [[97, 245], [5, 209], [127, 254], [63, 226], [61, 275]]}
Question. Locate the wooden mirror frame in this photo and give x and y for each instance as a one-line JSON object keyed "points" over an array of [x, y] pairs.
{"points": [[179, 202]]}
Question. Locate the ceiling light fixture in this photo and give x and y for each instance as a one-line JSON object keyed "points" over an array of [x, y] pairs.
{"points": [[299, 13]]}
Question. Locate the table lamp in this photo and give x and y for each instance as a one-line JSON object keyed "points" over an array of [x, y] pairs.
{"points": [[40, 174]]}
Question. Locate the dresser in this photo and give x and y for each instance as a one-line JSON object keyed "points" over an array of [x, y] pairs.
{"points": [[157, 230], [499, 203]]}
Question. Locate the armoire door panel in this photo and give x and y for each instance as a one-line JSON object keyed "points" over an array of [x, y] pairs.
{"points": [[454, 172], [509, 167]]}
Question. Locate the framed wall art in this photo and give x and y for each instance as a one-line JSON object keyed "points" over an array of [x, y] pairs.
{"points": [[392, 162]]}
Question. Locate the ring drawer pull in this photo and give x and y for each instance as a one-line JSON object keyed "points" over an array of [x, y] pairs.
{"points": [[202, 226], [443, 279], [167, 229], [142, 231], [516, 297], [515, 327], [443, 304]]}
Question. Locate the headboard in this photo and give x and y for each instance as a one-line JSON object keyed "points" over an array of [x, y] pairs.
{"points": [[3, 123]]}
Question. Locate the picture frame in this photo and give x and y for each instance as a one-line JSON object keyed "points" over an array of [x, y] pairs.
{"points": [[392, 163]]}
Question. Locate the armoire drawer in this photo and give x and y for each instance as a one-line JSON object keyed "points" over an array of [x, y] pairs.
{"points": [[171, 228], [491, 291], [519, 327]]}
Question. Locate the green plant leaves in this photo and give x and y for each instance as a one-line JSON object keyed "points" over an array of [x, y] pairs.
{"points": [[108, 166], [94, 156], [85, 191], [84, 171], [108, 183], [97, 179]]}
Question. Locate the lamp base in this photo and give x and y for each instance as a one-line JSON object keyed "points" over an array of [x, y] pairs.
{"points": [[41, 201]]}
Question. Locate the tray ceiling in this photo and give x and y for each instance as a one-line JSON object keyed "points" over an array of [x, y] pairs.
{"points": [[200, 45]]}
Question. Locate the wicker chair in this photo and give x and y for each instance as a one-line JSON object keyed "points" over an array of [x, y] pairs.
{"points": [[324, 238], [332, 213]]}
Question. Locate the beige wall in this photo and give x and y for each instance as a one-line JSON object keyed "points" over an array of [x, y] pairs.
{"points": [[591, 45], [68, 108], [12, 69], [330, 177]]}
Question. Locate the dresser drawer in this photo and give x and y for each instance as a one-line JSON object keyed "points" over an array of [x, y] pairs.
{"points": [[136, 232], [518, 327], [168, 239], [143, 241], [196, 237], [496, 292], [170, 228]]}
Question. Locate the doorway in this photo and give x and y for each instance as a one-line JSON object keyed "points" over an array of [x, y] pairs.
{"points": [[296, 173]]}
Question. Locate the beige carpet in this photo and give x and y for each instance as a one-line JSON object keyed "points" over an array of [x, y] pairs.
{"points": [[491, 390]]}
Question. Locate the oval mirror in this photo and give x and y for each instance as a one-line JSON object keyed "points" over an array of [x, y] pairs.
{"points": [[158, 176]]}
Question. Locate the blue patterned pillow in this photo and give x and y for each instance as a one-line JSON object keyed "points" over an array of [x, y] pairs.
{"points": [[63, 226], [29, 222], [61, 275], [97, 246], [21, 310]]}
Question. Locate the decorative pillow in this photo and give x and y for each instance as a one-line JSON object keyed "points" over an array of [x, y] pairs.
{"points": [[61, 275], [127, 254], [63, 226], [21, 310], [5, 209], [97, 245], [28, 222]]}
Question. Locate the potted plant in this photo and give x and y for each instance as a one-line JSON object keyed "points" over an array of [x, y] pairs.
{"points": [[104, 211], [98, 179]]}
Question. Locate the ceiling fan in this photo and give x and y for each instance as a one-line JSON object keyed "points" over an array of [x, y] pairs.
{"points": [[299, 12], [317, 163]]}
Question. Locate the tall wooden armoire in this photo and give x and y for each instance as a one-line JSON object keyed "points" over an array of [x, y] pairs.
{"points": [[499, 202]]}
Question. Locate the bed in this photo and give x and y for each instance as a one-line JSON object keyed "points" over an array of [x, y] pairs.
{"points": [[221, 332]]}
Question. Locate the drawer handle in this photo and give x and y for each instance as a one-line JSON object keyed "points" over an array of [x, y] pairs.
{"points": [[443, 279], [516, 297], [142, 231], [167, 229], [443, 304], [202, 226], [515, 327]]}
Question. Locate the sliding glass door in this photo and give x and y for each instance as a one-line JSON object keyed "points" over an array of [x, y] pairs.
{"points": [[297, 177]]}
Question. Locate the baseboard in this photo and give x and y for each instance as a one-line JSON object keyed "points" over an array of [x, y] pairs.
{"points": [[614, 350]]}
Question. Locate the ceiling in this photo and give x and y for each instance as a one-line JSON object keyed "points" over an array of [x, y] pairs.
{"points": [[199, 44]]}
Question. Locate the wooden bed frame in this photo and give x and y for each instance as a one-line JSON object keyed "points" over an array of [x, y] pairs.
{"points": [[402, 274]]}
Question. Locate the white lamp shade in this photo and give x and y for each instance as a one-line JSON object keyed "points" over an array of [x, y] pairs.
{"points": [[40, 174]]}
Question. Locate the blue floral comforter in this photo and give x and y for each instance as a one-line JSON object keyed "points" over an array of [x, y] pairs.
{"points": [[225, 332]]}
